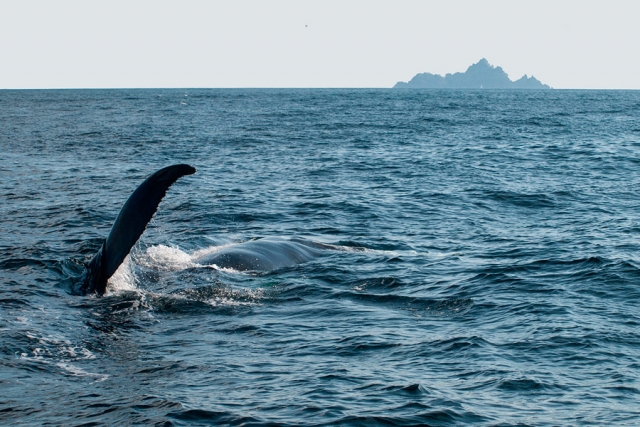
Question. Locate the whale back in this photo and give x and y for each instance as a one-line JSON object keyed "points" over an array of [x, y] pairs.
{"points": [[129, 226], [266, 254]]}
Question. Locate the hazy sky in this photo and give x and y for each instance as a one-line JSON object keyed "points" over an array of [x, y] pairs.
{"points": [[308, 43]]}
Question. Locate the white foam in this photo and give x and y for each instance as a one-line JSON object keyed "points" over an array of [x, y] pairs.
{"points": [[223, 269], [79, 372], [224, 297], [170, 259], [59, 351], [159, 257], [222, 301], [166, 258], [124, 279], [236, 298]]}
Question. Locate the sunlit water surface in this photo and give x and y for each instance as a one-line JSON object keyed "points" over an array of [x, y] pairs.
{"points": [[489, 270]]}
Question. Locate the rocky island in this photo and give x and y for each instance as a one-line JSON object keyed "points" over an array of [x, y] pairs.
{"points": [[481, 75]]}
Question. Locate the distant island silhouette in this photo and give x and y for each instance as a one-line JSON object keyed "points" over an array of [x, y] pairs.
{"points": [[478, 76]]}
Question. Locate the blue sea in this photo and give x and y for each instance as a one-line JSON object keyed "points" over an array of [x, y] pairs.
{"points": [[486, 270]]}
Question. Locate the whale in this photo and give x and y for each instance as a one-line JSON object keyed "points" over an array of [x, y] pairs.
{"points": [[265, 254]]}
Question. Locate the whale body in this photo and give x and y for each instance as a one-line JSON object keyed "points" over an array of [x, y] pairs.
{"points": [[267, 254], [256, 255]]}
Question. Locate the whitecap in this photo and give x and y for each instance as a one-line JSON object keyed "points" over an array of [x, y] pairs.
{"points": [[79, 372]]}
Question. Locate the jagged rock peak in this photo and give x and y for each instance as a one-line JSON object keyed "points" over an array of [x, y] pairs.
{"points": [[481, 75]]}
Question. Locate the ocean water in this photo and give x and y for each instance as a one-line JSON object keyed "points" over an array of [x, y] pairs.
{"points": [[487, 270]]}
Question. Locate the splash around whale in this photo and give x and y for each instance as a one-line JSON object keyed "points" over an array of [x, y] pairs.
{"points": [[265, 254]]}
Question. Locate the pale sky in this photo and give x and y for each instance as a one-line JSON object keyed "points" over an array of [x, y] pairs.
{"points": [[589, 44]]}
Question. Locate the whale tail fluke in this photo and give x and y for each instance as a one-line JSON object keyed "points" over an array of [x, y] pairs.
{"points": [[129, 226]]}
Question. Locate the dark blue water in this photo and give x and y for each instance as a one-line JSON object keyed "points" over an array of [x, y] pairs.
{"points": [[489, 271]]}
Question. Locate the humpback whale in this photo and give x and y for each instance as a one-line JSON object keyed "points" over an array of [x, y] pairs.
{"points": [[266, 254], [256, 255]]}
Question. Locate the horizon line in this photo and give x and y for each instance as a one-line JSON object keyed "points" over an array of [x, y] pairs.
{"points": [[300, 88]]}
